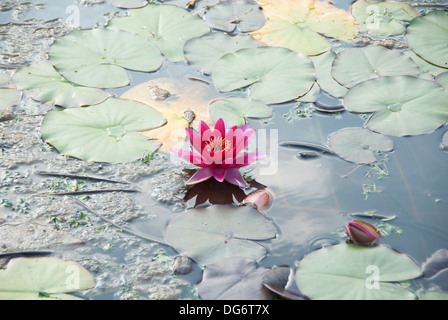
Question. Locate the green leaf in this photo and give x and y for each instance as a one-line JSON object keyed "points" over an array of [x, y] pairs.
{"points": [[9, 98], [167, 26], [203, 52], [383, 18], [98, 57], [323, 63], [402, 105], [228, 15], [42, 82], [427, 70], [269, 71], [107, 132], [354, 65], [357, 144], [209, 234], [347, 272], [442, 79], [236, 110], [43, 278], [427, 36]]}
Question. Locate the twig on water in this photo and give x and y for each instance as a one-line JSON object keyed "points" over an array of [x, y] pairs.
{"points": [[75, 176]]}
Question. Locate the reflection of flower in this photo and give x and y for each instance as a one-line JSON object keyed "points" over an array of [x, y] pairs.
{"points": [[219, 152]]}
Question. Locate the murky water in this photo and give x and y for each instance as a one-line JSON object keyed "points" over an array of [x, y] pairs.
{"points": [[314, 197]]}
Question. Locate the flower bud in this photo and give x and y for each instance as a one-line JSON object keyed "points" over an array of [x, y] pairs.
{"points": [[260, 199], [362, 232]]}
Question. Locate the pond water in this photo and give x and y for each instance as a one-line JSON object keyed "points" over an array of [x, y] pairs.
{"points": [[314, 197]]}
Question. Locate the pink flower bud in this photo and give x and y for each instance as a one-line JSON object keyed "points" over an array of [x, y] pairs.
{"points": [[260, 199], [362, 232]]}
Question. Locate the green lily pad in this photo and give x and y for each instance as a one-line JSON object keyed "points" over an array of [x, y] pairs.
{"points": [[427, 36], [203, 52], [358, 144], [98, 57], [233, 278], [427, 70], [383, 18], [274, 74], [107, 132], [167, 26], [9, 98], [43, 278], [209, 234], [128, 4], [4, 79], [347, 272], [442, 79], [228, 15], [323, 63], [236, 110], [42, 82], [402, 105], [354, 65]]}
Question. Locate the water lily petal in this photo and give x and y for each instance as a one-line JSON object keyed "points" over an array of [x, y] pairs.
{"points": [[200, 176], [191, 157], [195, 139], [219, 173], [221, 127], [235, 177]]}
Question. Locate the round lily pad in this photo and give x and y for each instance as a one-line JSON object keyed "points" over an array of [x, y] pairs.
{"points": [[427, 36], [167, 26], [354, 65], [347, 272], [107, 132], [207, 235], [274, 74], [97, 58], [42, 82], [9, 98], [427, 70], [203, 52], [236, 110], [383, 18], [228, 15], [43, 278], [402, 105], [358, 144], [323, 63], [233, 278], [303, 25], [442, 79]]}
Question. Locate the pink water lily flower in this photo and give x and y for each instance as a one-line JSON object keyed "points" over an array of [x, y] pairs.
{"points": [[219, 152]]}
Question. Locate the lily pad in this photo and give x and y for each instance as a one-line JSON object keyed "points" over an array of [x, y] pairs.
{"points": [[203, 52], [182, 95], [427, 70], [354, 65], [228, 15], [233, 278], [207, 235], [274, 74], [167, 26], [98, 57], [107, 132], [383, 18], [442, 79], [236, 110], [128, 4], [402, 105], [358, 144], [9, 98], [303, 25], [427, 36], [323, 63], [43, 278], [42, 82], [347, 272]]}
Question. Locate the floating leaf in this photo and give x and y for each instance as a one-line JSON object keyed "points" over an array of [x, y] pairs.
{"points": [[128, 4], [209, 234], [402, 105], [9, 98], [358, 144], [301, 25], [354, 65], [275, 74], [383, 18], [228, 15], [323, 63], [202, 53], [43, 278], [427, 70], [233, 278], [42, 82], [167, 26], [107, 132], [183, 95], [97, 58], [442, 79], [347, 272], [236, 110], [427, 36]]}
